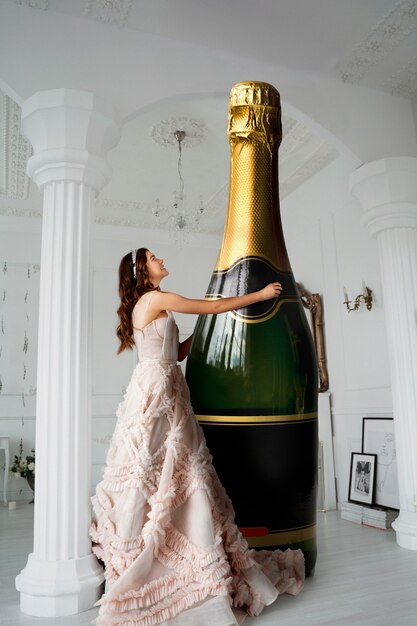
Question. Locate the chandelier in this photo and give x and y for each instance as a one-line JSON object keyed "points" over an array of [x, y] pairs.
{"points": [[180, 218]]}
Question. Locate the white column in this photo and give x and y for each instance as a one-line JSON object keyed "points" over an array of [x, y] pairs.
{"points": [[387, 190], [71, 132]]}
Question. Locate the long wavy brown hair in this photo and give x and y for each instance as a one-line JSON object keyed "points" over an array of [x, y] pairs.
{"points": [[130, 290]]}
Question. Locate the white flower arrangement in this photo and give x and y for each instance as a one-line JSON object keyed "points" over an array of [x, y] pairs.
{"points": [[23, 467]]}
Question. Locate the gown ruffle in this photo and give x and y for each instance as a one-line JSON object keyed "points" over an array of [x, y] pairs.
{"points": [[164, 527]]}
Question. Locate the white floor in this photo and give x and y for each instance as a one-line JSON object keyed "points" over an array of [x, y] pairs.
{"points": [[362, 579]]}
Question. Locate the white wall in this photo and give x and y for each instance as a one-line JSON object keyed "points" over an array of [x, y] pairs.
{"points": [[329, 249], [20, 241]]}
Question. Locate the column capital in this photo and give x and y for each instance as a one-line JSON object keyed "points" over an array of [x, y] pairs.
{"points": [[71, 132], [387, 191]]}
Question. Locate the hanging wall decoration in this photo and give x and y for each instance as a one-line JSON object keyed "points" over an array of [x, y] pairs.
{"points": [[19, 297]]}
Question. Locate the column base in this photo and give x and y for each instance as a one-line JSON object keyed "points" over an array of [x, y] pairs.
{"points": [[405, 527], [57, 588]]}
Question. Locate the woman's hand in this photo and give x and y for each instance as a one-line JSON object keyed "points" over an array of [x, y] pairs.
{"points": [[273, 290]]}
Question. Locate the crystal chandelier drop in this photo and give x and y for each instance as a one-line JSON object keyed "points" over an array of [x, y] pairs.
{"points": [[181, 219]]}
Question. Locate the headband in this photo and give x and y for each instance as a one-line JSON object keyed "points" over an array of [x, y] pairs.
{"points": [[133, 253]]}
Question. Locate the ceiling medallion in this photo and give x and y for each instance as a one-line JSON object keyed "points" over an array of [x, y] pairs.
{"points": [[163, 133]]}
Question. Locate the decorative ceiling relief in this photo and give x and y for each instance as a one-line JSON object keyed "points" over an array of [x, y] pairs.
{"points": [[109, 11], [138, 221], [383, 59], [20, 212], [34, 4], [386, 35], [16, 150], [296, 136], [122, 213], [288, 123], [404, 82], [312, 166], [109, 205]]}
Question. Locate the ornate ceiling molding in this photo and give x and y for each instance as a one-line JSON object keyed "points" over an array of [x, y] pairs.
{"points": [[386, 35], [163, 132], [288, 123], [14, 183], [108, 204], [137, 221], [109, 11], [322, 157], [297, 135], [34, 4], [122, 213], [403, 82], [20, 212]]}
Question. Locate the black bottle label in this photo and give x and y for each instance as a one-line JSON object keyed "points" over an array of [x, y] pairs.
{"points": [[248, 274]]}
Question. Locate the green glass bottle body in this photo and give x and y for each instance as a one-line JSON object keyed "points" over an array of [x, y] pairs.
{"points": [[252, 372]]}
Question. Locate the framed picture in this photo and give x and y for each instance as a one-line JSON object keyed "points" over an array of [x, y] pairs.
{"points": [[378, 438], [362, 478]]}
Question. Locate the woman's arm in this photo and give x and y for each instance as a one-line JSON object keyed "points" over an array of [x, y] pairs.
{"points": [[184, 348], [165, 301]]}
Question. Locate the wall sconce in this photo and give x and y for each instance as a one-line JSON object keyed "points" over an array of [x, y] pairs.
{"points": [[366, 297]]}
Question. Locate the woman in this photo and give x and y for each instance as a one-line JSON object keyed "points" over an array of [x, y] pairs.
{"points": [[164, 525]]}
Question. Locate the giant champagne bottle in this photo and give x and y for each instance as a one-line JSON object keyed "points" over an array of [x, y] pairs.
{"points": [[252, 372]]}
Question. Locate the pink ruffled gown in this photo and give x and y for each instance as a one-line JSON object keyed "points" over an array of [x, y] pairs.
{"points": [[164, 526]]}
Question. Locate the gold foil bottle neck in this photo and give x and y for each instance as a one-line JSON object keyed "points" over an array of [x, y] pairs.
{"points": [[255, 111], [253, 225], [254, 92]]}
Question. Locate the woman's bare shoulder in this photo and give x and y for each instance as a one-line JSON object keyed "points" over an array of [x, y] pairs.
{"points": [[144, 299]]}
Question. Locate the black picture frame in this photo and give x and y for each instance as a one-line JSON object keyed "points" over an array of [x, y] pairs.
{"points": [[362, 478], [378, 438]]}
